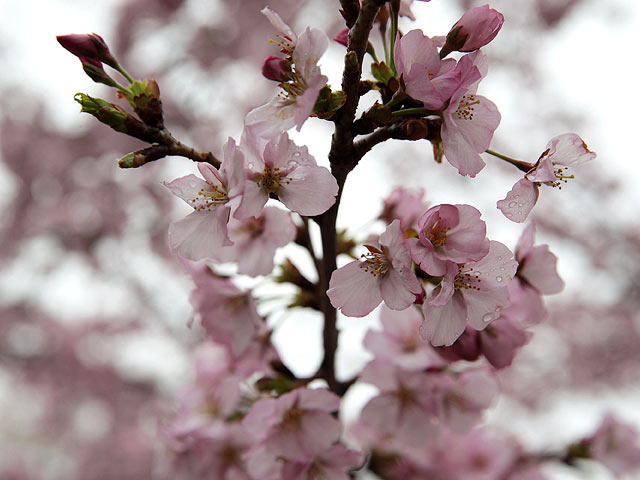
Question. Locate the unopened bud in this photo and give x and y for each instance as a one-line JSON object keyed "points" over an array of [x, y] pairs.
{"points": [[140, 157], [105, 112], [276, 69], [415, 129], [95, 72], [343, 37], [89, 45], [477, 27]]}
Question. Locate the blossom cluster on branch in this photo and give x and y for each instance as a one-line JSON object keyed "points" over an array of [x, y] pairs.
{"points": [[458, 306]]}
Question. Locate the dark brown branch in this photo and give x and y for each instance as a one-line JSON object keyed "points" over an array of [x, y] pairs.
{"points": [[342, 158], [363, 145]]}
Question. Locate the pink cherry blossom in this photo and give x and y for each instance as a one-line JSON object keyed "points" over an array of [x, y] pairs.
{"points": [[469, 121], [448, 233], [334, 464], [407, 406], [278, 166], [400, 342], [405, 205], [296, 99], [537, 265], [255, 240], [384, 274], [615, 445], [563, 151], [227, 313], [477, 27], [204, 231], [501, 340], [427, 78], [473, 293], [296, 426]]}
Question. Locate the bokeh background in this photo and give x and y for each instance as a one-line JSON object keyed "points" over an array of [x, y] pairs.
{"points": [[94, 311]]}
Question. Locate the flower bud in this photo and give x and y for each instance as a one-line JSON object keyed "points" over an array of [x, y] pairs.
{"points": [[145, 99], [105, 112], [95, 72], [89, 45], [145, 155], [276, 69], [415, 129], [343, 37], [477, 27]]}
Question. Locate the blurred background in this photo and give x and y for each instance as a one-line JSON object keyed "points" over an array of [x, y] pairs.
{"points": [[94, 310]]}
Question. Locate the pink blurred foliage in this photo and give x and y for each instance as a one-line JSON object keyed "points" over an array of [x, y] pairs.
{"points": [[67, 187]]}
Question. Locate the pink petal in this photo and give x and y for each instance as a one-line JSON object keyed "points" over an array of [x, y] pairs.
{"points": [[443, 325], [539, 270], [311, 191], [519, 201], [200, 234], [484, 307], [355, 292]]}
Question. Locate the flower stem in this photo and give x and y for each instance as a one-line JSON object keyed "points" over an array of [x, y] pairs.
{"points": [[521, 165]]}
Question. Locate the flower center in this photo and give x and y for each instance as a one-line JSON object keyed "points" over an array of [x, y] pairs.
{"points": [[466, 107], [467, 279], [376, 262], [294, 87], [437, 234], [271, 179], [216, 196], [292, 418], [561, 177]]}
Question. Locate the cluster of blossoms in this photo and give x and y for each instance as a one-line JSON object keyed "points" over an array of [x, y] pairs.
{"points": [[451, 295]]}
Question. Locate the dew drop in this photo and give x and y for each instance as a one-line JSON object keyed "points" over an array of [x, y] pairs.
{"points": [[488, 317], [498, 309], [516, 196], [512, 204], [499, 258], [502, 268], [521, 205], [498, 279], [250, 165], [296, 154], [509, 215], [519, 212]]}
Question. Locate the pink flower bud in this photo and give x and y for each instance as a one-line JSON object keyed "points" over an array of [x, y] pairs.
{"points": [[88, 45], [343, 37], [276, 69], [477, 27]]}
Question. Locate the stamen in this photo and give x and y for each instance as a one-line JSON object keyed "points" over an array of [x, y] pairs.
{"points": [[212, 199], [437, 234], [375, 262], [465, 278], [465, 107], [272, 179]]}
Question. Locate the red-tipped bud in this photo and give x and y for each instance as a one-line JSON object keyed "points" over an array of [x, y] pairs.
{"points": [[276, 69], [477, 27], [88, 45], [343, 37], [95, 72]]}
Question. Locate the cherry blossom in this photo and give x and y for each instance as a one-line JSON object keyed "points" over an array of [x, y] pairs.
{"points": [[297, 97], [615, 445], [473, 293], [201, 233], [477, 27], [255, 240], [296, 426], [400, 342], [384, 274], [426, 77], [448, 233], [469, 121], [405, 205], [226, 312], [278, 166], [563, 151]]}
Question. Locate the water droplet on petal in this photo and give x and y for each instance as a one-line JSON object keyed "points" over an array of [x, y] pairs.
{"points": [[521, 205], [516, 196], [499, 258], [498, 279], [488, 317], [509, 215], [250, 165], [502, 268], [512, 204]]}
